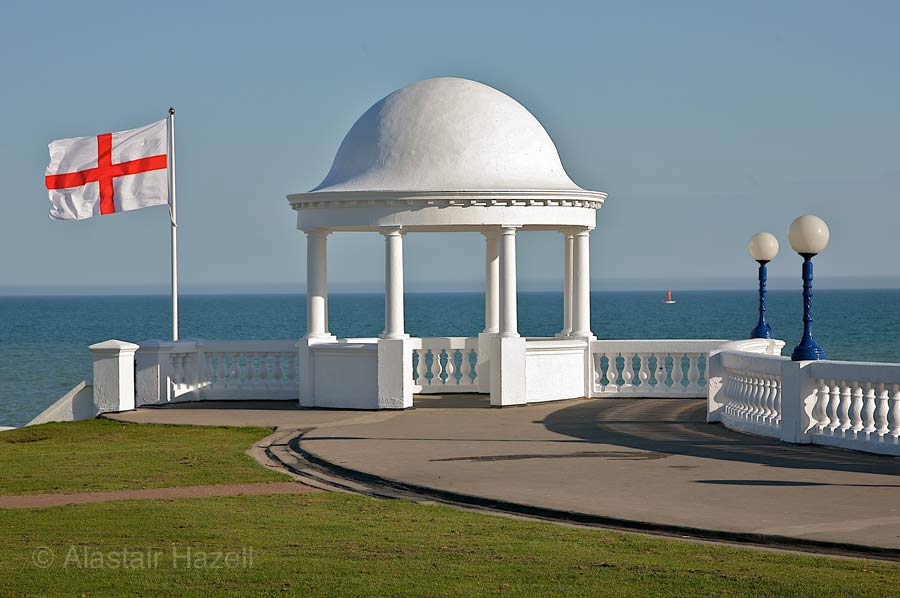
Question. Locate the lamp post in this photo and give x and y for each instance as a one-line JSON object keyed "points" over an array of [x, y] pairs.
{"points": [[763, 248], [808, 236]]}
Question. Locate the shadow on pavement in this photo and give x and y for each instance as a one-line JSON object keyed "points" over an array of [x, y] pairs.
{"points": [[678, 427]]}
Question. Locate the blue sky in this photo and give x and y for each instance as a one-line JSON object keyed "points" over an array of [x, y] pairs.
{"points": [[704, 121]]}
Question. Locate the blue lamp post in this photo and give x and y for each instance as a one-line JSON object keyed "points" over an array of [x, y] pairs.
{"points": [[808, 236], [763, 248]]}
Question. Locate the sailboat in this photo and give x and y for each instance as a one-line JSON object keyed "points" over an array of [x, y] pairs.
{"points": [[669, 297]]}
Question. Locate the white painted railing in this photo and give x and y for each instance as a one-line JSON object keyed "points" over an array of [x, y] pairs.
{"points": [[751, 392], [659, 368], [856, 405], [445, 364], [847, 404], [197, 370]]}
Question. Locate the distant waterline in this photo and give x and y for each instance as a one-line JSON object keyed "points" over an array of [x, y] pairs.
{"points": [[44, 340]]}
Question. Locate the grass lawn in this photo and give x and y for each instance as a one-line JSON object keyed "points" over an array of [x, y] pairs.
{"points": [[99, 454], [325, 544]]}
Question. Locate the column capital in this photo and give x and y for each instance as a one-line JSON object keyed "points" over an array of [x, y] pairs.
{"points": [[391, 231], [317, 232], [576, 231], [508, 229]]}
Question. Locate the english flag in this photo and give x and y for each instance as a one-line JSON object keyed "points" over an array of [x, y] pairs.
{"points": [[109, 173]]}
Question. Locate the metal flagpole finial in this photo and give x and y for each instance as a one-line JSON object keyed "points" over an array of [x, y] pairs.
{"points": [[171, 110]]}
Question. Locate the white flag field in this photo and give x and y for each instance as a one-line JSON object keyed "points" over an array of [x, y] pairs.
{"points": [[108, 173]]}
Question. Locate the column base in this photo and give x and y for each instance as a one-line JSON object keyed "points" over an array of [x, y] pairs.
{"points": [[508, 371]]}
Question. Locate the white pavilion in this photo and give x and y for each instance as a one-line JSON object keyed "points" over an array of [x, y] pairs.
{"points": [[448, 155]]}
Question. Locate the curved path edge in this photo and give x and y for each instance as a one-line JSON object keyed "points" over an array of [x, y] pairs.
{"points": [[387, 487]]}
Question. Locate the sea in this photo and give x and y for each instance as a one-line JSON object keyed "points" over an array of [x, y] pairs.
{"points": [[44, 340]]}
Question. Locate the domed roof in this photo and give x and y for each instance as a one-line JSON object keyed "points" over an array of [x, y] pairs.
{"points": [[446, 134]]}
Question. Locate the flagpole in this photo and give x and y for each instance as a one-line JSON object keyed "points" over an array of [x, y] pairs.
{"points": [[173, 219]]}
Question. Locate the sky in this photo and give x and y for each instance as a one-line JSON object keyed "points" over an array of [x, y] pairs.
{"points": [[705, 122]]}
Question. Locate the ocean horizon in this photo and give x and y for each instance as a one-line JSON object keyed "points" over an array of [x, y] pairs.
{"points": [[44, 338]]}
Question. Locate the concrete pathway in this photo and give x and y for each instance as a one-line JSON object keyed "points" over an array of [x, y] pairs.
{"points": [[645, 460]]}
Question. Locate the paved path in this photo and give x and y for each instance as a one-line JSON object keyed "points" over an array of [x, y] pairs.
{"points": [[646, 460], [30, 501]]}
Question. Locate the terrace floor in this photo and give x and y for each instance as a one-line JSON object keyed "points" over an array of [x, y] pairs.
{"points": [[651, 461]]}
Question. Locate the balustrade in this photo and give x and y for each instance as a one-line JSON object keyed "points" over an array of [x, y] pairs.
{"points": [[228, 369], [661, 368], [445, 365]]}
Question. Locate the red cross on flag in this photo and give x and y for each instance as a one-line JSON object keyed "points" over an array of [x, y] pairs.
{"points": [[109, 173]]}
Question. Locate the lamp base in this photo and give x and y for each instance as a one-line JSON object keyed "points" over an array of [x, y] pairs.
{"points": [[808, 350], [762, 330]]}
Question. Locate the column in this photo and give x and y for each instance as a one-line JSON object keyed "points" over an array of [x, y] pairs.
{"points": [[509, 318], [581, 283], [568, 251], [393, 283], [316, 283], [492, 283]]}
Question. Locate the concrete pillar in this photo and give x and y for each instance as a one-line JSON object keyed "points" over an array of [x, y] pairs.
{"points": [[113, 375], [492, 282], [568, 256], [393, 283], [509, 317], [316, 283], [581, 284]]}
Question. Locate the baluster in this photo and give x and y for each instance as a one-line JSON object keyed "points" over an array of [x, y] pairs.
{"points": [[234, 377], [263, 370], [473, 361], [177, 369], [868, 415], [820, 409], [436, 366], [248, 370], [627, 372], [677, 372], [422, 368], [598, 371], [730, 392], [894, 417], [450, 368], [292, 369], [759, 389], [277, 372], [881, 415], [776, 402], [693, 371], [734, 392], [833, 407], [221, 372], [661, 375], [844, 407], [465, 367], [643, 371], [768, 403], [740, 393], [856, 407]]}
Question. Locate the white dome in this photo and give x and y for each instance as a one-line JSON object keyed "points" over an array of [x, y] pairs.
{"points": [[446, 134]]}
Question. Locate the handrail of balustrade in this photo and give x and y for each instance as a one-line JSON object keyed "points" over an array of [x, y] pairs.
{"points": [[651, 345]]}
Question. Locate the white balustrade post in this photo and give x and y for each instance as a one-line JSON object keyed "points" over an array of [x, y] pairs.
{"points": [[581, 284], [509, 317], [153, 378], [798, 400], [113, 375], [316, 283], [393, 283]]}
